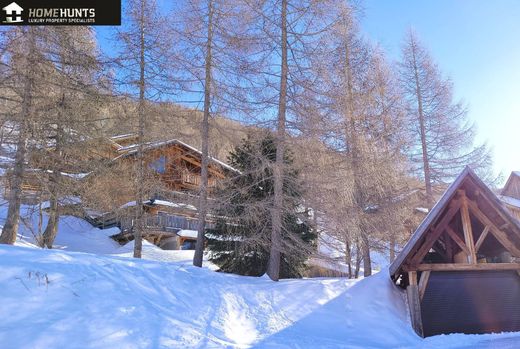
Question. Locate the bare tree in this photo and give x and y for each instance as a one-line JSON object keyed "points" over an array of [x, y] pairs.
{"points": [[214, 45], [147, 73], [24, 62], [443, 136], [71, 113]]}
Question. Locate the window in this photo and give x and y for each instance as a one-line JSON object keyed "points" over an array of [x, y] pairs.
{"points": [[159, 165]]}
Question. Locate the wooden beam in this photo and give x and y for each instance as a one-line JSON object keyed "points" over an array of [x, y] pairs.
{"points": [[457, 240], [423, 282], [497, 233], [412, 277], [468, 231], [481, 238], [449, 247], [468, 267], [197, 163], [435, 234], [414, 305]]}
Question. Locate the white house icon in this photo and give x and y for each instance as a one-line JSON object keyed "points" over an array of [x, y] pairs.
{"points": [[13, 9]]}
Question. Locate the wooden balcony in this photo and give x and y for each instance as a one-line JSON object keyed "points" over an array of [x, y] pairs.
{"points": [[165, 222], [193, 179]]}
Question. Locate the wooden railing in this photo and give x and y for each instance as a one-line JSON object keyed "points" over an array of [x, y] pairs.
{"points": [[191, 178], [165, 222]]}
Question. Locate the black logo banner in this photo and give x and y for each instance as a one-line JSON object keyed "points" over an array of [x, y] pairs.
{"points": [[60, 12]]}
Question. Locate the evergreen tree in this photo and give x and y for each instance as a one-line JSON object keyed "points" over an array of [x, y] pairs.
{"points": [[241, 240]]}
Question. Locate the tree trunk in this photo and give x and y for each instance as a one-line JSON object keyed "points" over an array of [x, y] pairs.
{"points": [[10, 229], [273, 265], [358, 260], [367, 262], [139, 223], [203, 189], [392, 247], [420, 111], [49, 235], [348, 257]]}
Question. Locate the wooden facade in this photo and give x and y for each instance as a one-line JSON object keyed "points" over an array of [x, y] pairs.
{"points": [[467, 238]]}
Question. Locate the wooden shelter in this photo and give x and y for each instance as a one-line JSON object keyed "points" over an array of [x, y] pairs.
{"points": [[460, 267]]}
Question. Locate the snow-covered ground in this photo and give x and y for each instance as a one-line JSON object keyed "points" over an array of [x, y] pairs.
{"points": [[61, 299], [77, 235], [67, 298]]}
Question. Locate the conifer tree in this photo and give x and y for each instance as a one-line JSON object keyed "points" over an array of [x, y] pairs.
{"points": [[443, 137], [241, 241]]}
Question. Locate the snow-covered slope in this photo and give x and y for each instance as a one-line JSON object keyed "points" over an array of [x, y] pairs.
{"points": [[77, 235], [61, 299]]}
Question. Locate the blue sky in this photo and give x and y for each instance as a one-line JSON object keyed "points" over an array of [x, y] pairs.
{"points": [[475, 42]]}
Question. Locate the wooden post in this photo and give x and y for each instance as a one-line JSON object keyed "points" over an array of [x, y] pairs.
{"points": [[468, 233], [414, 303], [423, 282]]}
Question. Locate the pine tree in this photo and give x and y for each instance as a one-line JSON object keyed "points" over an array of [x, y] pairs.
{"points": [[241, 241]]}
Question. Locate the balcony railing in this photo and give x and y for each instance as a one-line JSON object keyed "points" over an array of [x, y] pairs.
{"points": [[164, 222], [191, 178]]}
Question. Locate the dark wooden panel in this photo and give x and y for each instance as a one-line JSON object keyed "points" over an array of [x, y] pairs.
{"points": [[471, 302]]}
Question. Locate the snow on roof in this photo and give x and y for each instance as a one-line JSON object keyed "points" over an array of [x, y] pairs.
{"points": [[122, 136], [132, 149], [188, 233], [66, 174], [510, 201]]}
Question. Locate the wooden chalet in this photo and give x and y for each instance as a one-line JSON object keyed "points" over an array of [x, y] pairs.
{"points": [[170, 216], [510, 194], [461, 266]]}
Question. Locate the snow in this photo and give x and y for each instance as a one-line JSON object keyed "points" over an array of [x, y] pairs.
{"points": [[163, 203], [89, 293], [54, 299], [510, 201], [422, 209], [77, 235], [188, 233], [331, 255]]}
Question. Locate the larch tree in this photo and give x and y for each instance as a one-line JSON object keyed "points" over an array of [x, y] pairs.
{"points": [[215, 46], [290, 32], [71, 114], [23, 62], [146, 71], [364, 118], [443, 136]]}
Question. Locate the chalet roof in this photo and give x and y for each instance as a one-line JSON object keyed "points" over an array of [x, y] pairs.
{"points": [[467, 176], [132, 150], [514, 175]]}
